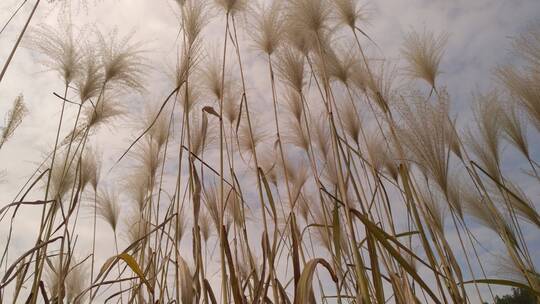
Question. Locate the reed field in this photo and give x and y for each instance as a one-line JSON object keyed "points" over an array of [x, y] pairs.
{"points": [[267, 151]]}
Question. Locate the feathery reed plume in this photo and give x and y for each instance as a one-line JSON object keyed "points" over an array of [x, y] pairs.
{"points": [[137, 185], [349, 12], [102, 113], [195, 13], [190, 99], [136, 227], [486, 143], [351, 121], [379, 155], [211, 196], [425, 135], [76, 281], [337, 63], [297, 135], [160, 129], [269, 26], [528, 46], [249, 139], [108, 207], [60, 50], [232, 6], [515, 129], [149, 157], [293, 101], [200, 135], [210, 75], [320, 135], [519, 202], [423, 53], [205, 223], [122, 60], [90, 79], [181, 225], [187, 62], [525, 90], [61, 182], [381, 86], [90, 168], [309, 17], [297, 175], [231, 103], [290, 67], [185, 282], [434, 209], [13, 119]]}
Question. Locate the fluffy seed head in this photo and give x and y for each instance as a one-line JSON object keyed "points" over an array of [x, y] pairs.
{"points": [[423, 53]]}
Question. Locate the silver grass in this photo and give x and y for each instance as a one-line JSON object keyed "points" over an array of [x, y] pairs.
{"points": [[528, 46], [211, 195], [160, 129], [76, 281], [136, 227], [290, 67], [136, 185], [248, 140], [381, 86], [185, 282], [309, 17], [200, 135], [205, 224], [349, 12], [425, 136], [380, 157], [13, 119], [108, 207], [148, 156], [320, 135], [210, 76], [232, 6], [423, 53], [516, 198], [525, 90], [195, 13], [293, 102], [90, 79], [351, 121], [122, 60], [515, 129], [90, 168], [190, 99], [60, 181], [268, 28], [231, 103], [297, 135], [485, 143], [60, 50], [104, 113]]}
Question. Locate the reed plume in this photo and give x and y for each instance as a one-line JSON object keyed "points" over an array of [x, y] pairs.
{"points": [[423, 53], [13, 119]]}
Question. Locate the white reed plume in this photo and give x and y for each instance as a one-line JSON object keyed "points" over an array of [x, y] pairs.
{"points": [[231, 103], [190, 98], [528, 46], [59, 48], [205, 224], [137, 185], [485, 144], [381, 86], [185, 282], [268, 28], [200, 135], [515, 129], [297, 135], [13, 119], [248, 140], [425, 136], [525, 90], [380, 157], [108, 206], [351, 121], [293, 102], [232, 6], [90, 168], [61, 180], [123, 63], [160, 129], [290, 67], [103, 113], [309, 17], [136, 227], [195, 13], [210, 75], [90, 79], [149, 157], [423, 53], [349, 12]]}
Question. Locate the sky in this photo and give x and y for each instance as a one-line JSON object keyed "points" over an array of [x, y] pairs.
{"points": [[479, 31]]}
